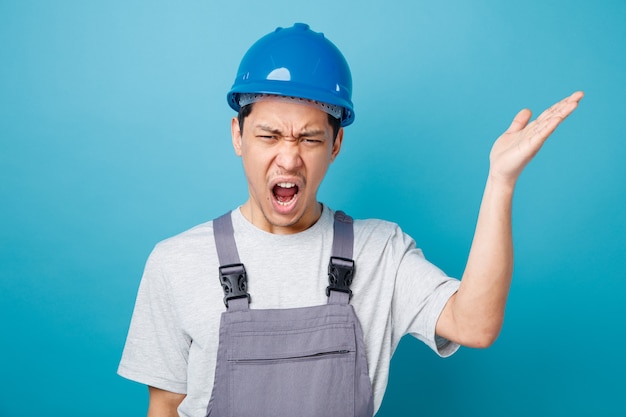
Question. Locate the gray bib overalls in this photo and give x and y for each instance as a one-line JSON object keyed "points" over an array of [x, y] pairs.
{"points": [[298, 362]]}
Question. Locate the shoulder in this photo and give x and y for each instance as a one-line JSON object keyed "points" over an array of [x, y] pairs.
{"points": [[375, 226], [183, 262], [194, 241], [380, 231], [362, 226], [377, 239]]}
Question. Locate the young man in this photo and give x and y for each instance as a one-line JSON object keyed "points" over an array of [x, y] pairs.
{"points": [[288, 342]]}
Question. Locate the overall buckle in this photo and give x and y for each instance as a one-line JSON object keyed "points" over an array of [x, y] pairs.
{"points": [[234, 282], [340, 275]]}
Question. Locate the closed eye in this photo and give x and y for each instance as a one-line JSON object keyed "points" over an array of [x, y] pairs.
{"points": [[312, 141], [266, 132]]}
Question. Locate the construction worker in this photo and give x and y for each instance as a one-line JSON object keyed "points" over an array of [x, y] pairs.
{"points": [[284, 307]]}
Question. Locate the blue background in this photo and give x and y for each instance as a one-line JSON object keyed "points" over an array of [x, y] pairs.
{"points": [[115, 134]]}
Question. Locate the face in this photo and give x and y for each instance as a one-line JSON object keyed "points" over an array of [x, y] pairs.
{"points": [[286, 149]]}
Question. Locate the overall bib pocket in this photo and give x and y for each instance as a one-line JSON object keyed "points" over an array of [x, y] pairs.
{"points": [[278, 373]]}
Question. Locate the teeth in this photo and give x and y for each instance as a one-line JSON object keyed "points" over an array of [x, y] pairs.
{"points": [[286, 184]]}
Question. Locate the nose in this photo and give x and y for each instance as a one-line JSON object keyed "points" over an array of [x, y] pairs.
{"points": [[288, 156]]}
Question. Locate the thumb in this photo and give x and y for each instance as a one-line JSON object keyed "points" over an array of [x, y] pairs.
{"points": [[520, 121]]}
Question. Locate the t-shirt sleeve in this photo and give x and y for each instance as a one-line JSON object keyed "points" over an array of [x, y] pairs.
{"points": [[421, 292], [156, 349]]}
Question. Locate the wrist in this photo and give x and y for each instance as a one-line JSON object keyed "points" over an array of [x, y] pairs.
{"points": [[500, 185], [504, 180]]}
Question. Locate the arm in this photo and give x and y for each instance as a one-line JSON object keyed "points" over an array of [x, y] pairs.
{"points": [[474, 315], [163, 403]]}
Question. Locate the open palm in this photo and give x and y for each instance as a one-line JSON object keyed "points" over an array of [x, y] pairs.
{"points": [[522, 140]]}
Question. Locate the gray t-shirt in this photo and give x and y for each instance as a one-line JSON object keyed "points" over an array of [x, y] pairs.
{"points": [[173, 337]]}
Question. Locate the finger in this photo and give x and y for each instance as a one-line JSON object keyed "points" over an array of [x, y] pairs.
{"points": [[519, 121], [563, 108], [577, 96], [547, 122]]}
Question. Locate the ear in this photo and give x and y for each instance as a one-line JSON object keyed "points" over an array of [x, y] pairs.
{"points": [[337, 145], [235, 134]]}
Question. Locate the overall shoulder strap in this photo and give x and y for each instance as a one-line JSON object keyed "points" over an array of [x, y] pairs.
{"points": [[232, 273], [343, 236], [341, 266]]}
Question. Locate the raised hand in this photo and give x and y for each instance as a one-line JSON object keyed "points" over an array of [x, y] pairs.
{"points": [[522, 140], [474, 315]]}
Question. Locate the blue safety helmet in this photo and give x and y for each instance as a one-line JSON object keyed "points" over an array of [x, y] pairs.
{"points": [[296, 62]]}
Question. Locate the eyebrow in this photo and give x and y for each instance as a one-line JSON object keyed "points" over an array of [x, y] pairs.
{"points": [[305, 133], [269, 129]]}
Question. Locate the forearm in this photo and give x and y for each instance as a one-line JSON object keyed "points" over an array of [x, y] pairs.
{"points": [[478, 308], [163, 403]]}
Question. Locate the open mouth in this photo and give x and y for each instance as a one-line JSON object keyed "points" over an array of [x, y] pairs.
{"points": [[285, 192]]}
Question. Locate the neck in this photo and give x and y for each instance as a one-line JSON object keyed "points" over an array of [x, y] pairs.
{"points": [[279, 225]]}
